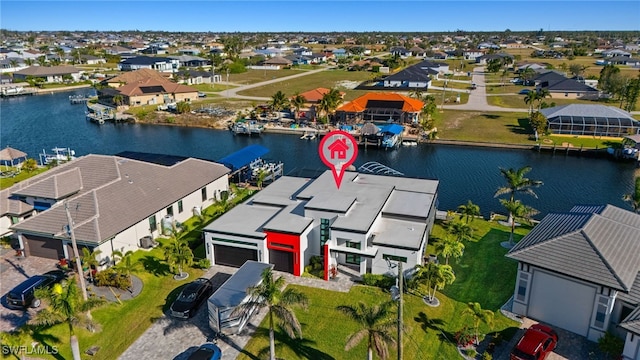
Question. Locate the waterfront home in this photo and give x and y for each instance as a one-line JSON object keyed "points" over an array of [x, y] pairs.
{"points": [[369, 221], [580, 271], [114, 201], [49, 74], [380, 107], [150, 92], [135, 76], [162, 64], [587, 119]]}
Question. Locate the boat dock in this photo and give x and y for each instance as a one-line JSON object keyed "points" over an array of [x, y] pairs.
{"points": [[247, 128], [16, 90], [79, 99], [100, 113]]}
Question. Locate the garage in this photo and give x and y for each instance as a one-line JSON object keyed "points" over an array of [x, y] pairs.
{"points": [[233, 256], [561, 302], [42, 247], [281, 260]]}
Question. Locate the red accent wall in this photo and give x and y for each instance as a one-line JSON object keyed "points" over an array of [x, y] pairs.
{"points": [[293, 246], [326, 262]]}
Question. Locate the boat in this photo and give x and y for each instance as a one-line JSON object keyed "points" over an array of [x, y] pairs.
{"points": [[391, 136], [58, 155], [244, 127], [307, 136], [409, 143]]}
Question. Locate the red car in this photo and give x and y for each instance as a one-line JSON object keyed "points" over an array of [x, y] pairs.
{"points": [[536, 343]]}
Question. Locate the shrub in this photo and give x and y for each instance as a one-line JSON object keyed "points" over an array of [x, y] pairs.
{"points": [[203, 264], [381, 281], [464, 336], [611, 345], [487, 356], [470, 353], [113, 278], [316, 262]]}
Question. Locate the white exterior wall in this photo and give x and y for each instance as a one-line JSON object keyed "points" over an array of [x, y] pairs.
{"points": [[313, 238], [379, 264], [418, 84], [260, 245], [631, 347], [305, 255]]}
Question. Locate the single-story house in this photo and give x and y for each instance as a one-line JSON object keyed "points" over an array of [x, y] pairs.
{"points": [[91, 60], [580, 271], [50, 74], [135, 76], [278, 61], [113, 201], [561, 87], [162, 64], [190, 61], [193, 77], [12, 157], [485, 59], [400, 51], [151, 92], [413, 77], [371, 219], [379, 106], [587, 119], [315, 95]]}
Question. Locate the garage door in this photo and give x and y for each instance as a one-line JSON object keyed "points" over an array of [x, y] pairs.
{"points": [[233, 256], [43, 247], [561, 302], [281, 260]]}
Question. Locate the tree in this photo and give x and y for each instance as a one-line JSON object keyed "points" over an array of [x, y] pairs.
{"points": [[469, 211], [66, 306], [89, 259], [376, 325], [517, 210], [576, 69], [460, 230], [278, 102], [183, 107], [634, 198], [330, 101], [297, 101], [434, 277], [126, 265], [479, 315], [449, 247], [517, 183], [118, 100], [427, 112], [260, 179], [538, 122], [541, 95], [530, 99], [30, 165], [527, 74], [416, 94], [630, 94], [178, 254], [494, 65], [269, 294]]}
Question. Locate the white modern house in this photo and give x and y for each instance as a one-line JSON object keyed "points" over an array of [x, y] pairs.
{"points": [[370, 221], [114, 202], [580, 271]]}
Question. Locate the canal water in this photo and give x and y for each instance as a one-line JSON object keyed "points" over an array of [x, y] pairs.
{"points": [[36, 123]]}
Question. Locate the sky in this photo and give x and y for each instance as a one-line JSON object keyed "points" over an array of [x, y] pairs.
{"points": [[319, 15]]}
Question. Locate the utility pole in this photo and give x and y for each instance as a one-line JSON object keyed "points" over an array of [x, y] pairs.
{"points": [[76, 254], [400, 306]]}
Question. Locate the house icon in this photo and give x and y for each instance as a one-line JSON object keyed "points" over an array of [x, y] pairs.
{"points": [[339, 149]]}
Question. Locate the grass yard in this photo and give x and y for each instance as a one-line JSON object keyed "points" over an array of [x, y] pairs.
{"points": [[483, 274], [452, 84], [340, 79], [516, 101], [10, 181], [212, 87], [254, 76]]}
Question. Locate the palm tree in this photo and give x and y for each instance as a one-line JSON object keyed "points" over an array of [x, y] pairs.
{"points": [[127, 266], [260, 179], [269, 294], [118, 100], [479, 315], [376, 325], [89, 259], [416, 94], [297, 101], [541, 95], [634, 198], [66, 306], [460, 230], [433, 276], [278, 102], [469, 210], [448, 247], [517, 210], [330, 101], [530, 99], [517, 183], [178, 254]]}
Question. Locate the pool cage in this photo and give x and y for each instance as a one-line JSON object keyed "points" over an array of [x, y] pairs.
{"points": [[596, 126]]}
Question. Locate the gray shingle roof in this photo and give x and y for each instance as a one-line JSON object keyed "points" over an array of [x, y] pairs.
{"points": [[570, 85], [602, 248], [55, 187], [118, 193], [412, 73], [48, 70], [586, 110], [632, 322]]}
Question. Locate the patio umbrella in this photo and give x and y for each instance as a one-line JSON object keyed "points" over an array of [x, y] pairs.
{"points": [[9, 155]]}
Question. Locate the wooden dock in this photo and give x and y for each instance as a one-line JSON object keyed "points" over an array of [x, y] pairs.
{"points": [[100, 113], [8, 91]]}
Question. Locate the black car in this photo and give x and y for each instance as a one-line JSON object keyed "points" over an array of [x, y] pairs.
{"points": [[190, 298], [23, 295]]}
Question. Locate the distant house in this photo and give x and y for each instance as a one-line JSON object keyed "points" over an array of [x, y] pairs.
{"points": [[413, 77], [315, 95], [485, 59], [380, 106], [622, 60], [50, 74], [340, 53], [472, 54], [278, 62], [135, 76], [580, 271], [161, 64], [117, 50], [561, 87], [400, 51], [190, 61], [190, 51], [615, 52], [92, 60], [418, 52], [586, 119], [194, 77]]}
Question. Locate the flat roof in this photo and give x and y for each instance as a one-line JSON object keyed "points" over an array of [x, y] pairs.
{"points": [[244, 220], [409, 203], [234, 290], [399, 233]]}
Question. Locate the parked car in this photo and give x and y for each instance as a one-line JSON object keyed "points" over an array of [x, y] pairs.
{"points": [[201, 94], [190, 298], [536, 343], [207, 351], [525, 91], [23, 295]]}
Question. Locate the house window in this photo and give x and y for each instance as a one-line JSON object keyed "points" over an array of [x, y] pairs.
{"points": [[14, 220], [394, 258], [180, 208], [601, 312], [170, 210], [153, 226], [351, 258], [204, 193], [325, 231], [523, 284]]}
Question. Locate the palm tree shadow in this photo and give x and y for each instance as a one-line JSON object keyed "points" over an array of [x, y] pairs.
{"points": [[301, 347], [46, 340], [436, 325], [154, 265]]}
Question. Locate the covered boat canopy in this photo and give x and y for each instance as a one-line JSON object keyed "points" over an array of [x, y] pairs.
{"points": [[243, 157]]}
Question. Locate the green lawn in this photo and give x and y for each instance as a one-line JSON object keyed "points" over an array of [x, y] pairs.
{"points": [[254, 76], [212, 87], [10, 181], [484, 275]]}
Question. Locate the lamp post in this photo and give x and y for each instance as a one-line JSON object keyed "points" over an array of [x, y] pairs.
{"points": [[74, 245]]}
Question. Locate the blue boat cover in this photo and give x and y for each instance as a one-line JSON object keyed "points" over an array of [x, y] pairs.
{"points": [[392, 128], [243, 157]]}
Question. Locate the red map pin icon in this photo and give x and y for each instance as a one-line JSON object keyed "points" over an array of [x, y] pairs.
{"points": [[338, 149]]}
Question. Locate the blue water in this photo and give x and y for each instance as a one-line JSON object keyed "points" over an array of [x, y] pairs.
{"points": [[36, 123]]}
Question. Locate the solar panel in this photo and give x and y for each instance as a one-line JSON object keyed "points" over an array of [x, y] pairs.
{"points": [[151, 89], [385, 104], [160, 159]]}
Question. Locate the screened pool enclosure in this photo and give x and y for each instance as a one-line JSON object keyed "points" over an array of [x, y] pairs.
{"points": [[594, 120]]}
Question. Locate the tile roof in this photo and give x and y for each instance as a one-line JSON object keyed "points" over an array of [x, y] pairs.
{"points": [[360, 104], [137, 75], [166, 86], [118, 193], [57, 186], [48, 70], [596, 244], [632, 322], [316, 95]]}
